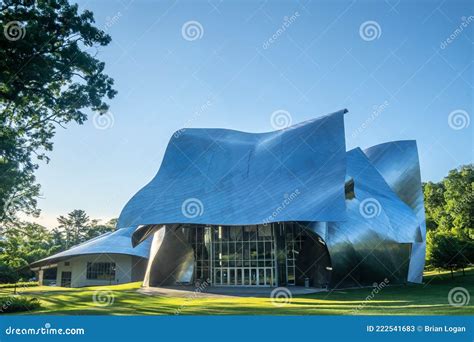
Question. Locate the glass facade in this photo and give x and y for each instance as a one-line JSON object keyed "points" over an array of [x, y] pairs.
{"points": [[243, 256], [258, 255]]}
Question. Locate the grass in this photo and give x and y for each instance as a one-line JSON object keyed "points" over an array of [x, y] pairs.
{"points": [[430, 298]]}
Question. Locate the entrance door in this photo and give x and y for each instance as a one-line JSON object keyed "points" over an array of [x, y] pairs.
{"points": [[66, 279], [242, 255]]}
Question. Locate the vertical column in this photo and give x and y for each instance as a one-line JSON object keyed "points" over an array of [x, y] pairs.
{"points": [[40, 277]]}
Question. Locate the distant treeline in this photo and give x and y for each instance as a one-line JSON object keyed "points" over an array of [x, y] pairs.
{"points": [[449, 208], [24, 242]]}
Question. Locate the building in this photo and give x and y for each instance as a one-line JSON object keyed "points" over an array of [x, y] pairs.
{"points": [[289, 207], [108, 259]]}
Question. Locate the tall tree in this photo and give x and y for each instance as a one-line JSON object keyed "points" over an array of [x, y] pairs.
{"points": [[49, 77], [436, 216], [449, 208], [459, 185], [449, 204], [75, 226]]}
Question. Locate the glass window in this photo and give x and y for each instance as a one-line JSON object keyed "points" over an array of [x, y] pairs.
{"points": [[268, 276], [239, 276], [238, 251], [217, 250], [250, 233], [246, 251], [231, 250], [261, 276], [225, 250], [236, 233], [253, 276], [268, 249], [291, 275], [224, 276], [253, 250], [265, 232], [100, 270], [246, 276]]}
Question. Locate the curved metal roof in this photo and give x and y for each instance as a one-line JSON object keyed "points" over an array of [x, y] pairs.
{"points": [[116, 242], [220, 176]]}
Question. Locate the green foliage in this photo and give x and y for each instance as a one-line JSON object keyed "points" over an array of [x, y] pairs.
{"points": [[20, 284], [76, 227], [24, 243], [446, 250], [19, 247], [459, 199], [49, 77], [73, 225], [449, 208], [18, 304]]}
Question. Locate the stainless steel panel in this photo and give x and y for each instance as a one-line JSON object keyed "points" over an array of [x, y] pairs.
{"points": [[376, 240], [171, 258], [398, 163]]}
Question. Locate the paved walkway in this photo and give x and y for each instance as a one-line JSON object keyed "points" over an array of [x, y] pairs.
{"points": [[222, 291]]}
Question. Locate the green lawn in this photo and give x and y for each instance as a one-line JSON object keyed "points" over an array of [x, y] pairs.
{"points": [[430, 298]]}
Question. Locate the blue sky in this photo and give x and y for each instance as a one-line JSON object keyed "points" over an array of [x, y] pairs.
{"points": [[401, 78]]}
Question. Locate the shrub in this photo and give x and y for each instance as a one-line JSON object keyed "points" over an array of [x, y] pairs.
{"points": [[19, 285], [18, 304]]}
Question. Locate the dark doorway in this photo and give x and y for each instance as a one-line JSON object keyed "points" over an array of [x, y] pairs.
{"points": [[66, 279]]}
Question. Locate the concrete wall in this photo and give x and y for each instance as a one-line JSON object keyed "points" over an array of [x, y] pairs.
{"points": [[78, 268]]}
